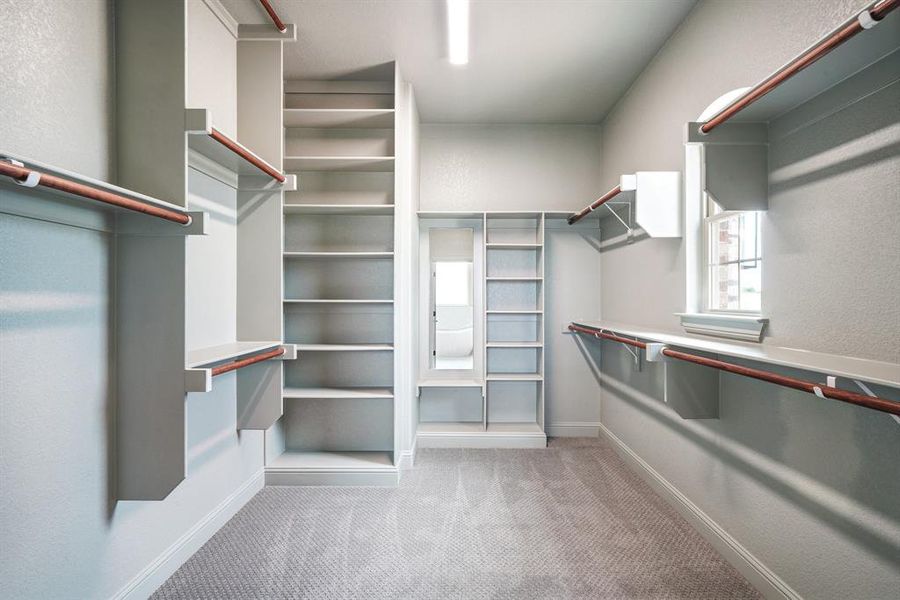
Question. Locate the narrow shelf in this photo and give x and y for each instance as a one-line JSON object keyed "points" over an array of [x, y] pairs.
{"points": [[514, 428], [872, 371], [289, 254], [514, 278], [515, 377], [339, 209], [514, 312], [337, 393], [332, 461], [513, 246], [345, 347], [223, 352], [335, 301], [206, 140], [515, 345], [348, 118], [339, 163], [450, 383], [451, 427], [448, 214]]}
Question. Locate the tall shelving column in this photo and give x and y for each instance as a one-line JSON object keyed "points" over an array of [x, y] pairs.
{"points": [[339, 281], [514, 311]]}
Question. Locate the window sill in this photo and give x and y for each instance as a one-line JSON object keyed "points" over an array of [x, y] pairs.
{"points": [[746, 328]]}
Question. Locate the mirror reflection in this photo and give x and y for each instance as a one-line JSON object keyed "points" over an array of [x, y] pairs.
{"points": [[452, 298]]}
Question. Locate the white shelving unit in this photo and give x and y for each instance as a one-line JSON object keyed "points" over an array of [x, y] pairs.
{"points": [[505, 409], [338, 257]]}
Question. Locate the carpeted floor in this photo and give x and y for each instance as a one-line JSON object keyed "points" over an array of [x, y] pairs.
{"points": [[570, 521]]}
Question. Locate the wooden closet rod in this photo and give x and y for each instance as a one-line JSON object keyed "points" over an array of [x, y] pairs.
{"points": [[273, 15], [867, 19], [244, 362], [246, 155], [32, 178], [575, 217], [826, 391]]}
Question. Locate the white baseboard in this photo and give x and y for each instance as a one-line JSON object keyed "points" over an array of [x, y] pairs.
{"points": [[759, 575], [573, 429], [408, 457], [157, 572], [481, 440]]}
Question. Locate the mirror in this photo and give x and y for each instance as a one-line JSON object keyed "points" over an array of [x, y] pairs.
{"points": [[452, 298]]}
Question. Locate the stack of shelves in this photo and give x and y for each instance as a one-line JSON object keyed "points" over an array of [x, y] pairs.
{"points": [[513, 322], [338, 257]]}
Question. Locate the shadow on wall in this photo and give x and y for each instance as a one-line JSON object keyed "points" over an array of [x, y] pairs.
{"points": [[828, 459]]}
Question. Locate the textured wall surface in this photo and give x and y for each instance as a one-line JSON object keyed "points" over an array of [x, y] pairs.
{"points": [[56, 85], [509, 167], [810, 487]]}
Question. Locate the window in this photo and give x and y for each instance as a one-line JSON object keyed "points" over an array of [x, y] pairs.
{"points": [[732, 281]]}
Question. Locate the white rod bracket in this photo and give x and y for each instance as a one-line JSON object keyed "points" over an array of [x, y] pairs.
{"points": [[290, 352], [31, 180], [865, 20], [198, 380], [655, 352]]}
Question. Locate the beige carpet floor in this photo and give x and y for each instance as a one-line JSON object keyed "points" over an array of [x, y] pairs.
{"points": [[569, 521]]}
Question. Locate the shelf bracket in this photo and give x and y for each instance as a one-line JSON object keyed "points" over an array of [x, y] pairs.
{"points": [[869, 392], [635, 354], [198, 380], [629, 229]]}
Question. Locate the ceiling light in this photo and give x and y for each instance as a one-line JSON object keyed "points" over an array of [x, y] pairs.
{"points": [[458, 31]]}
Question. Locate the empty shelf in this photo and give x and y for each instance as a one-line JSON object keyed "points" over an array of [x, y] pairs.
{"points": [[515, 278], [515, 377], [451, 427], [371, 118], [505, 246], [450, 383], [223, 352], [515, 312], [335, 301], [337, 393], [332, 461], [514, 428], [515, 345], [338, 254], [345, 347], [339, 209], [339, 163]]}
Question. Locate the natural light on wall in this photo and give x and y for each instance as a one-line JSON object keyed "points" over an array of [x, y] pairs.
{"points": [[458, 31]]}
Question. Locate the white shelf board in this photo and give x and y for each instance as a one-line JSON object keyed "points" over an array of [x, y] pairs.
{"points": [[515, 377], [514, 278], [204, 145], [515, 345], [332, 461], [451, 427], [515, 428], [512, 246], [289, 254], [346, 118], [450, 383], [514, 214], [336, 301], [345, 347], [339, 163], [872, 371], [337, 393], [449, 214], [223, 352], [474, 435], [339, 209], [514, 312]]}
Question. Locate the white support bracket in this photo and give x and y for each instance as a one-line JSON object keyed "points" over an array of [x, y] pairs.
{"points": [[635, 354], [290, 352], [655, 352], [31, 180], [198, 380]]}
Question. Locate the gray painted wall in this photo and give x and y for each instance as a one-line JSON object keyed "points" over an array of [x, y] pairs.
{"points": [[810, 487], [63, 535]]}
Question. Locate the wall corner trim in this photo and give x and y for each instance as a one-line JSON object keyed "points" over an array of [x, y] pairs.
{"points": [[408, 457], [766, 581], [159, 570]]}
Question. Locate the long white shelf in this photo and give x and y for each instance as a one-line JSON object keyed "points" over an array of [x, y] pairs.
{"points": [[514, 278], [515, 377], [341, 118], [332, 461], [338, 393], [290, 254], [450, 383], [514, 312], [336, 301], [513, 246], [345, 347], [515, 345], [867, 370], [223, 352], [339, 163], [339, 209]]}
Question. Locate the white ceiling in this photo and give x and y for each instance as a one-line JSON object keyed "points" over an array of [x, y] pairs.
{"points": [[531, 61]]}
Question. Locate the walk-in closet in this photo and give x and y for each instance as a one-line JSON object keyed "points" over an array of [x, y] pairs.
{"points": [[433, 299]]}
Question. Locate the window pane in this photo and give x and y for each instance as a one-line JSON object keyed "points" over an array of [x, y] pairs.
{"points": [[725, 237], [750, 285], [749, 235], [724, 287]]}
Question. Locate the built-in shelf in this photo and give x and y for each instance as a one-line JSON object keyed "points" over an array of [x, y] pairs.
{"points": [[515, 428], [339, 163], [330, 462], [514, 278], [339, 209], [199, 126], [338, 393], [452, 427], [871, 371], [512, 246], [345, 347], [467, 434], [290, 254], [342, 118], [336, 301], [225, 352], [450, 383], [515, 377], [448, 214], [515, 345], [514, 312]]}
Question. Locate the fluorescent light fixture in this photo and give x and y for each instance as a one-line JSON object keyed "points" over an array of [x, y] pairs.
{"points": [[458, 31]]}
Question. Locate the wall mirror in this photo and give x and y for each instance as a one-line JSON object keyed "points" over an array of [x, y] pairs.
{"points": [[452, 260]]}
